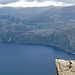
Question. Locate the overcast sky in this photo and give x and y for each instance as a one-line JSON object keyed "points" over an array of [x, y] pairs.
{"points": [[35, 3], [65, 1]]}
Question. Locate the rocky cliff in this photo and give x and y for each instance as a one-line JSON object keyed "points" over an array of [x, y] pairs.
{"points": [[63, 67]]}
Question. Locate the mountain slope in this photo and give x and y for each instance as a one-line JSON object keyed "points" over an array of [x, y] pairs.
{"points": [[51, 26], [22, 12]]}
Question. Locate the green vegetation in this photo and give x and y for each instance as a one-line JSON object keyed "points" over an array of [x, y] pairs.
{"points": [[51, 26]]}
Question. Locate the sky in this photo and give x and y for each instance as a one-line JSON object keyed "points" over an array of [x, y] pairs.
{"points": [[35, 3]]}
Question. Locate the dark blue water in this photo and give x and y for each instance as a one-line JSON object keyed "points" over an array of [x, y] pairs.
{"points": [[22, 59]]}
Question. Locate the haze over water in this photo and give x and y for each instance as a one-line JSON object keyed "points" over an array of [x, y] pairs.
{"points": [[23, 59]]}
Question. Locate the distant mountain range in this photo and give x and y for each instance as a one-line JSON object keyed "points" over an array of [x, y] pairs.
{"points": [[45, 25]]}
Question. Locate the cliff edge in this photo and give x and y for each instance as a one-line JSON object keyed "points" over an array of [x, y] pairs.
{"points": [[63, 67]]}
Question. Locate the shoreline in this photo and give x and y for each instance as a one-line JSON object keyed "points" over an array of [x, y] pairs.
{"points": [[40, 44]]}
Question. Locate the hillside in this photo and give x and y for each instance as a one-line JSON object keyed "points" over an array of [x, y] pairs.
{"points": [[22, 12], [49, 26]]}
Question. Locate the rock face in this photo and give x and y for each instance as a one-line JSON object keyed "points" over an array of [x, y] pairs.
{"points": [[63, 68]]}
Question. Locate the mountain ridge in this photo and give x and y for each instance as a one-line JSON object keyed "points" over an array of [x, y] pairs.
{"points": [[48, 27]]}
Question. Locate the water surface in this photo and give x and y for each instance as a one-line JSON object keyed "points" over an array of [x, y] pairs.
{"points": [[23, 59]]}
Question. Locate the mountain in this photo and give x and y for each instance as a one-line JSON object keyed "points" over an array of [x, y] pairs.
{"points": [[56, 13], [22, 12], [47, 25]]}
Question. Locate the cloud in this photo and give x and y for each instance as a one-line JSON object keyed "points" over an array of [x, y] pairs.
{"points": [[36, 0], [7, 1], [23, 3], [66, 1], [10, 1], [29, 0]]}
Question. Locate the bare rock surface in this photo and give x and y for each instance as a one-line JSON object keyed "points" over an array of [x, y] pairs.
{"points": [[63, 67]]}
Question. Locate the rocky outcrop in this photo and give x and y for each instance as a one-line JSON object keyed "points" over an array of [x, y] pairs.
{"points": [[63, 67]]}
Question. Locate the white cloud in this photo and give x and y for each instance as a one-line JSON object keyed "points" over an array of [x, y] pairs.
{"points": [[7, 1], [23, 3], [66, 1]]}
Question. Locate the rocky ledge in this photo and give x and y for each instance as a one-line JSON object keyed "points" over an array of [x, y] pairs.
{"points": [[63, 67]]}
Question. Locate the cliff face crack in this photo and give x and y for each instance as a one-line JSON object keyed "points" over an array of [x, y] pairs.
{"points": [[60, 67], [72, 71]]}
